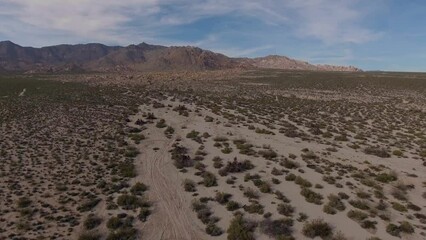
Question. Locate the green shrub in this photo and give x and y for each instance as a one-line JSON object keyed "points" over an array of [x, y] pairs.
{"points": [[328, 208], [278, 229], [189, 185], [317, 228], [161, 124], [360, 204], [213, 230], [367, 224], [290, 177], [23, 202], [232, 206], [285, 209], [240, 229], [302, 182], [209, 179], [406, 227], [138, 188], [127, 169], [127, 233], [88, 205], [386, 177], [268, 154], [129, 202], [92, 222], [311, 196], [399, 207], [376, 151], [144, 213], [393, 230], [357, 215], [254, 207], [222, 197], [89, 236], [114, 223]]}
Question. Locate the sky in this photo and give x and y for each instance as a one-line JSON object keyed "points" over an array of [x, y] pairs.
{"points": [[370, 34]]}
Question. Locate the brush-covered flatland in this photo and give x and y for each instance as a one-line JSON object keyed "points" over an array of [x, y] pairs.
{"points": [[235, 155]]}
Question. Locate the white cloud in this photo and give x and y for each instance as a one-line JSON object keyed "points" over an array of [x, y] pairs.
{"points": [[110, 21]]}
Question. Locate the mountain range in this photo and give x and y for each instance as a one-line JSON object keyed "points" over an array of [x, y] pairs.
{"points": [[141, 57]]}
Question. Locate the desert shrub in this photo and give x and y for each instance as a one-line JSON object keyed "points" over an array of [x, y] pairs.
{"points": [[127, 169], [317, 228], [232, 206], [311, 196], [220, 139], [137, 138], [406, 227], [209, 179], [92, 222], [360, 204], [138, 188], [280, 196], [367, 224], [161, 124], [131, 152], [393, 230], [264, 131], [222, 197], [254, 207], [144, 213], [240, 229], [302, 182], [88, 205], [268, 154], [127, 233], [398, 194], [181, 159], [226, 150], [387, 177], [413, 207], [251, 193], [399, 207], [343, 195], [376, 151], [276, 181], [264, 187], [194, 135], [341, 138], [398, 153], [276, 172], [329, 179], [129, 202], [169, 130], [208, 119], [357, 215], [290, 177], [114, 223], [362, 194], [23, 202], [213, 230], [336, 202], [278, 229], [89, 236], [189, 185], [328, 208], [285, 209], [236, 167], [287, 163]]}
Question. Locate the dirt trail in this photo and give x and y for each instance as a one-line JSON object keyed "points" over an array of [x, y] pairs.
{"points": [[172, 217]]}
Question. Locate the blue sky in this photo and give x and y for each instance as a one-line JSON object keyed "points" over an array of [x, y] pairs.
{"points": [[370, 34]]}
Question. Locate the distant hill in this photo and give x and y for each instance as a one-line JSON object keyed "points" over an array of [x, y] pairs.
{"points": [[142, 57]]}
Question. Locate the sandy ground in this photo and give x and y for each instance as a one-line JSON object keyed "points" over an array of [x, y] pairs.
{"points": [[173, 218]]}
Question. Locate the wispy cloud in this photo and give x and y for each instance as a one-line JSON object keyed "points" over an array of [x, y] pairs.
{"points": [[108, 20]]}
